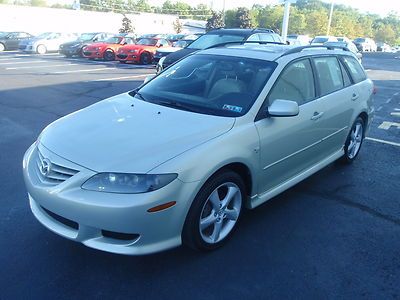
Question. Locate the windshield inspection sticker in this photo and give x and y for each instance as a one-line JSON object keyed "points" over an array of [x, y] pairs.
{"points": [[234, 108]]}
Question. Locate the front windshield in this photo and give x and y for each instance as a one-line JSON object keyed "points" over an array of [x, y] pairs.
{"points": [[209, 40], [87, 36], [3, 34], [147, 42], [209, 84], [114, 40]]}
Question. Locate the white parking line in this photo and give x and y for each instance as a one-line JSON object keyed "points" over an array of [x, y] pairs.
{"points": [[396, 114], [47, 66], [388, 100], [9, 58], [383, 141], [387, 125], [83, 70], [119, 78], [23, 62]]}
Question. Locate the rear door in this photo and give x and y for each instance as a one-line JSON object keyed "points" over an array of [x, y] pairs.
{"points": [[336, 97]]}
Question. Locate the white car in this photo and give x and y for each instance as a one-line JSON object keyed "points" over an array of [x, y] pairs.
{"points": [[46, 42], [178, 159]]}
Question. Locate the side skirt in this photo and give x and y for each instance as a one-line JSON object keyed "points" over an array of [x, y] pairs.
{"points": [[257, 200]]}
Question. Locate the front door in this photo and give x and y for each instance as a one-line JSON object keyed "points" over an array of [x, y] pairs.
{"points": [[290, 145]]}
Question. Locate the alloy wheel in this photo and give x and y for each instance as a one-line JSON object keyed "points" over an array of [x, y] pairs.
{"points": [[220, 213], [356, 137]]}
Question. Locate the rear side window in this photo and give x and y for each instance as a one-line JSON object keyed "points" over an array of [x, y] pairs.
{"points": [[329, 74], [346, 77], [355, 69], [296, 83]]}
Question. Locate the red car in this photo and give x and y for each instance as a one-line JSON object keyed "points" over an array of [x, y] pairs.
{"points": [[106, 50], [143, 51]]}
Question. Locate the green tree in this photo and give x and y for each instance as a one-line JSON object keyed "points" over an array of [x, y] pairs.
{"points": [[317, 22], [38, 3], [126, 25], [385, 33], [243, 18], [230, 18], [215, 21]]}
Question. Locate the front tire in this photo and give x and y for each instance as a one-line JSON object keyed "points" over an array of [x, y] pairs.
{"points": [[354, 141], [2, 47], [41, 49], [214, 212]]}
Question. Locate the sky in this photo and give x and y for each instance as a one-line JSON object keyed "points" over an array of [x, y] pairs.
{"points": [[381, 7]]}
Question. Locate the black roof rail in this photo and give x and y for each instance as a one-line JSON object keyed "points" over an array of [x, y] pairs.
{"points": [[301, 48], [245, 42], [265, 29]]}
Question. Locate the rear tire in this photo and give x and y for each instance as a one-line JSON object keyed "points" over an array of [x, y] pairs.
{"points": [[354, 141], [41, 49], [215, 212]]}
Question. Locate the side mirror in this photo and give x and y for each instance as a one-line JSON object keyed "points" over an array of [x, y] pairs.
{"points": [[283, 108], [148, 78]]}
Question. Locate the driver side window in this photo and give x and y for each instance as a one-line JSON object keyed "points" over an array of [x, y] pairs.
{"points": [[296, 83]]}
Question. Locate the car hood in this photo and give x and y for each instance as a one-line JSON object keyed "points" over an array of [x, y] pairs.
{"points": [[77, 42], [175, 56], [137, 47], [125, 134]]}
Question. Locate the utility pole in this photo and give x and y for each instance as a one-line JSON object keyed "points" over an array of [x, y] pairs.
{"points": [[330, 19], [223, 11], [285, 23]]}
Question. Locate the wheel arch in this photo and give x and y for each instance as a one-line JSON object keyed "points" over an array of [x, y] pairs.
{"points": [[242, 170]]}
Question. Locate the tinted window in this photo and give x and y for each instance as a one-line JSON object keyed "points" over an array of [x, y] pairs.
{"points": [[296, 83], [356, 71], [329, 74], [254, 38]]}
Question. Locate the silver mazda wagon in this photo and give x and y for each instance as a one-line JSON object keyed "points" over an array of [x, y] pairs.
{"points": [[178, 159]]}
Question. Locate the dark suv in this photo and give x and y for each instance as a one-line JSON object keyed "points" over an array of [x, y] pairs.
{"points": [[219, 36]]}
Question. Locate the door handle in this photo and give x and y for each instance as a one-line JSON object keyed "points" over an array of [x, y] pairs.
{"points": [[317, 115], [354, 97]]}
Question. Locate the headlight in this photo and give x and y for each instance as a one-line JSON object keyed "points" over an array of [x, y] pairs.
{"points": [[125, 183], [132, 51], [160, 62]]}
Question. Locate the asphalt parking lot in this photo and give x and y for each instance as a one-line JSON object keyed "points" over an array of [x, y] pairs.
{"points": [[335, 235]]}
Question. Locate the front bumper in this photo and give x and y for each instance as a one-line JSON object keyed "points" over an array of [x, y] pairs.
{"points": [[128, 57], [93, 54], [96, 214], [69, 51]]}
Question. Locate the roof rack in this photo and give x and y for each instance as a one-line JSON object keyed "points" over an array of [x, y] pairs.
{"points": [[301, 48], [246, 42]]}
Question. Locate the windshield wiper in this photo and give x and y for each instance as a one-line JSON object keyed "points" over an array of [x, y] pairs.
{"points": [[136, 92], [179, 105]]}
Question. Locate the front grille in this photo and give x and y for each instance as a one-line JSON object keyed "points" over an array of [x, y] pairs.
{"points": [[122, 56], [87, 53], [65, 221], [52, 173]]}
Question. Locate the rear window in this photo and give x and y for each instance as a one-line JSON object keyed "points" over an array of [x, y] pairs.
{"points": [[356, 71]]}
